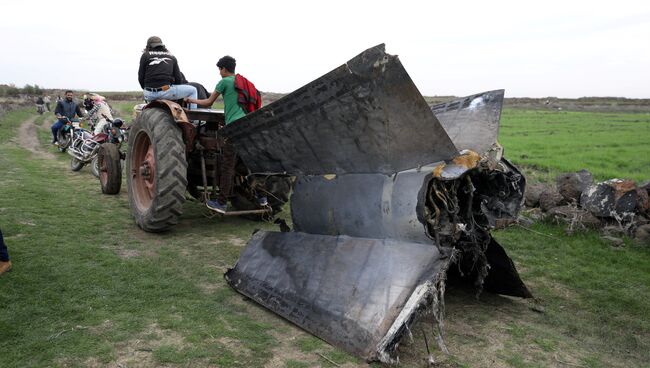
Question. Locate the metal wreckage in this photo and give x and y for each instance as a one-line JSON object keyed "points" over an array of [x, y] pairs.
{"points": [[389, 195]]}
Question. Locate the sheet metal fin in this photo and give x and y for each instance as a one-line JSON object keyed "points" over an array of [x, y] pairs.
{"points": [[365, 116], [347, 291], [472, 122]]}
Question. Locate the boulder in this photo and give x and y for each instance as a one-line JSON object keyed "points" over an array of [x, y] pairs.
{"points": [[610, 198], [535, 214], [571, 214], [645, 186], [532, 194], [614, 241], [571, 185], [643, 201], [549, 198], [642, 235]]}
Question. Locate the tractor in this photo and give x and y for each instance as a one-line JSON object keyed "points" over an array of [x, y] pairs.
{"points": [[173, 151]]}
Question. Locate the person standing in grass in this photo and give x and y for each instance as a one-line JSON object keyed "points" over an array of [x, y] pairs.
{"points": [[5, 263], [239, 97]]}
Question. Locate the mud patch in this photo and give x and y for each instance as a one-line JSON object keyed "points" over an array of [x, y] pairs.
{"points": [[138, 352], [234, 346], [237, 242], [127, 253], [287, 336], [287, 350], [209, 288], [28, 139], [101, 329]]}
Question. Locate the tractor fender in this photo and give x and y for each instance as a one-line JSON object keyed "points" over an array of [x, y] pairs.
{"points": [[180, 117]]}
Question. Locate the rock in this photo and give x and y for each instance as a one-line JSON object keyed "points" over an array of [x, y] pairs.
{"points": [[615, 242], [614, 230], [573, 215], [642, 220], [571, 185], [646, 186], [538, 308], [549, 198], [502, 223], [524, 220], [643, 201], [533, 193], [610, 198], [642, 235], [534, 214]]}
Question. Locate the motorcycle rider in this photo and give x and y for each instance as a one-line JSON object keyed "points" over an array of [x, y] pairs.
{"points": [[65, 108], [97, 111], [160, 76], [40, 105]]}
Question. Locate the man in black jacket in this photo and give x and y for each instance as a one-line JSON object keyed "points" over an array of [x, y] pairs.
{"points": [[160, 76], [66, 108]]}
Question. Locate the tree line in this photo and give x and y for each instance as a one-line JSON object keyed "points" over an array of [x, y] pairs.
{"points": [[10, 90]]}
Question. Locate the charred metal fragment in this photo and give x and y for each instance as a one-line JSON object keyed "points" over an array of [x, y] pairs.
{"points": [[472, 122], [358, 294], [365, 116], [383, 204]]}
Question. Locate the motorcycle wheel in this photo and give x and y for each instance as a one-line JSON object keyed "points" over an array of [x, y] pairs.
{"points": [[156, 171], [64, 138], [76, 165], [94, 167], [110, 168]]}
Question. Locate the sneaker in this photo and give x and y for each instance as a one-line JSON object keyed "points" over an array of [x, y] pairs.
{"points": [[216, 206], [262, 201], [55, 143], [5, 267]]}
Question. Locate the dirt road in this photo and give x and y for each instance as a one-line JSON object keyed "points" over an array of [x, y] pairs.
{"points": [[28, 138]]}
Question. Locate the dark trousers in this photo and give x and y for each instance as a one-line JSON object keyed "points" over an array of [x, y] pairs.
{"points": [[226, 172], [4, 255]]}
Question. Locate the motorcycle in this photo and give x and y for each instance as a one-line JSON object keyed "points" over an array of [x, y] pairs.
{"points": [[64, 134], [40, 108], [109, 157], [84, 145]]}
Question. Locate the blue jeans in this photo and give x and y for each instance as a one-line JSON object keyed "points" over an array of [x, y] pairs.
{"points": [[175, 92], [55, 128], [4, 255]]}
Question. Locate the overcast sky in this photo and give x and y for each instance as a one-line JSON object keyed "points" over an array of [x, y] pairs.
{"points": [[529, 48]]}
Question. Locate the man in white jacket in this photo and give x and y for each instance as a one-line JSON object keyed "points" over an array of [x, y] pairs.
{"points": [[97, 112]]}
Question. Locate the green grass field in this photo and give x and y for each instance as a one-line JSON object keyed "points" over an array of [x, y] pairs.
{"points": [[90, 289], [607, 144]]}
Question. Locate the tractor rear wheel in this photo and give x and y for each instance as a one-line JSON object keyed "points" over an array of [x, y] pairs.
{"points": [[110, 169], [156, 169]]}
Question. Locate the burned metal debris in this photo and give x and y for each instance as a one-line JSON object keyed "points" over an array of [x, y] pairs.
{"points": [[384, 202]]}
